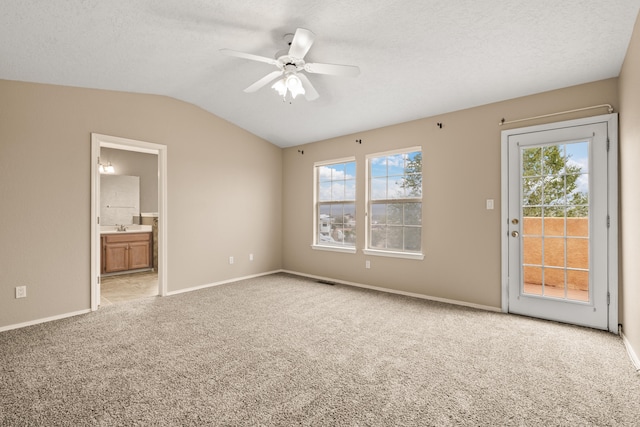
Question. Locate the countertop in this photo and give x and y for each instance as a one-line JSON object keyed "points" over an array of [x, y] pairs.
{"points": [[112, 229]]}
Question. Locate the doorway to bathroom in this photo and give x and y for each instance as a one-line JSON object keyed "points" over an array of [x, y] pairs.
{"points": [[128, 244]]}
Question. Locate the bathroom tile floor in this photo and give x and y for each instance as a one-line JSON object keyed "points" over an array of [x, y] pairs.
{"points": [[128, 287]]}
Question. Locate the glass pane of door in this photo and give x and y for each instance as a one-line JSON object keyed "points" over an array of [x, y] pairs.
{"points": [[555, 221]]}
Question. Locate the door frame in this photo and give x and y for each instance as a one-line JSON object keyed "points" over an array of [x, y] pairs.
{"points": [[612, 206], [98, 141]]}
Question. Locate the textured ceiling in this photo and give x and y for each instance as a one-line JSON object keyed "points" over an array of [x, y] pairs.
{"points": [[418, 58]]}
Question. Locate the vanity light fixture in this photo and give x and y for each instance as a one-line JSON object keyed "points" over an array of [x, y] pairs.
{"points": [[108, 168]]}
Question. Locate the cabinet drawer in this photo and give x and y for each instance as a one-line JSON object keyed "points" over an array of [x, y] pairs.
{"points": [[127, 237]]}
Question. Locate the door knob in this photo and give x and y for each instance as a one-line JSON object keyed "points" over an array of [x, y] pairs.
{"points": [[514, 234]]}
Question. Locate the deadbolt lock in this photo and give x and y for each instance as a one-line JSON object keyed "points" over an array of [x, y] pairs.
{"points": [[514, 221]]}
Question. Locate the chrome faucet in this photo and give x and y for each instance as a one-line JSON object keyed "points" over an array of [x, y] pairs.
{"points": [[121, 227]]}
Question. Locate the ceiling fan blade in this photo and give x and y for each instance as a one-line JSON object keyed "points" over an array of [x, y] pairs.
{"points": [[249, 56], [301, 43], [333, 69], [310, 93], [263, 81]]}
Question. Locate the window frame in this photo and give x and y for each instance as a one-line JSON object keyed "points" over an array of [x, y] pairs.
{"points": [[418, 255], [316, 205]]}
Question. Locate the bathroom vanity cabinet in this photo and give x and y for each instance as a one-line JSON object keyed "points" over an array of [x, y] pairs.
{"points": [[126, 251]]}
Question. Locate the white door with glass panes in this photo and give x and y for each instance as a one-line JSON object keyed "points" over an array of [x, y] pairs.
{"points": [[557, 253]]}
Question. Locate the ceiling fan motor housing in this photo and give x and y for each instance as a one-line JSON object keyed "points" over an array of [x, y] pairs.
{"points": [[290, 65]]}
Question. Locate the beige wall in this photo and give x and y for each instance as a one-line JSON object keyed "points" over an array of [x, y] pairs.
{"points": [[629, 88], [224, 193], [461, 239]]}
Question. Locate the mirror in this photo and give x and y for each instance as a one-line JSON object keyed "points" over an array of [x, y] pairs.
{"points": [[119, 199]]}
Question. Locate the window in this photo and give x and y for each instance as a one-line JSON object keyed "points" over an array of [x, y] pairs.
{"points": [[395, 204], [335, 215]]}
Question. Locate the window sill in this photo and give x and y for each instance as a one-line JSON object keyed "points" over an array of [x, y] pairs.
{"points": [[391, 254], [348, 250]]}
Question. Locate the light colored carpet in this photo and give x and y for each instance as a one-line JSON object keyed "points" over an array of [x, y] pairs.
{"points": [[283, 350]]}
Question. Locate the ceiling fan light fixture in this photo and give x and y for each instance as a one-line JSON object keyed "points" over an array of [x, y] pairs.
{"points": [[281, 87], [294, 85], [291, 84]]}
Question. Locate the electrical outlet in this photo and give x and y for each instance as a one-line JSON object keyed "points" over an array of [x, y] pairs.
{"points": [[230, 260], [21, 291], [489, 204], [367, 264], [250, 257]]}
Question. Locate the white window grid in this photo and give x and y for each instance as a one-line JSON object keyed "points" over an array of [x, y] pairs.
{"points": [[406, 226], [339, 204]]}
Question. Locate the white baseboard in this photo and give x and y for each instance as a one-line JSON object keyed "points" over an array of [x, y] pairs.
{"points": [[632, 354], [76, 313], [43, 320], [393, 291], [237, 279], [223, 282]]}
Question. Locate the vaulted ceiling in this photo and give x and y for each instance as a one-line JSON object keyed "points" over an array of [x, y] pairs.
{"points": [[417, 58]]}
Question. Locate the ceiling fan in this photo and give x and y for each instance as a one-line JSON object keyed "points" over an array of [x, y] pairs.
{"points": [[290, 65]]}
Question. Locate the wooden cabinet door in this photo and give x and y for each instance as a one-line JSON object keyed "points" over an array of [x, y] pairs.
{"points": [[116, 257], [126, 251], [139, 255]]}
